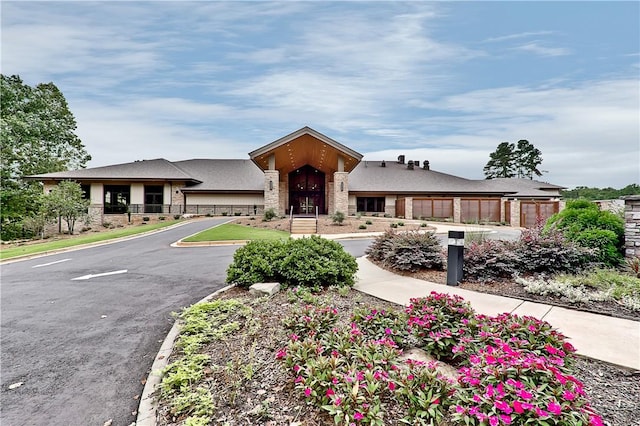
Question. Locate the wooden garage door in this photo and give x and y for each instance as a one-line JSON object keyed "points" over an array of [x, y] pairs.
{"points": [[425, 208], [480, 210], [530, 211]]}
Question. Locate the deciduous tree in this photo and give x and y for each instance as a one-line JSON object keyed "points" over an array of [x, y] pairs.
{"points": [[37, 135], [66, 200]]}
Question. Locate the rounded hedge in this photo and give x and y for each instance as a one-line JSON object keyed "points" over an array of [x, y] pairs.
{"points": [[309, 262]]}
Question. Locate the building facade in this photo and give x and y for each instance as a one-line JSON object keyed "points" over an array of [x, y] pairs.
{"points": [[306, 173]]}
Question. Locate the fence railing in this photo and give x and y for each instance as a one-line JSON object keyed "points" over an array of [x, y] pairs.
{"points": [[199, 209]]}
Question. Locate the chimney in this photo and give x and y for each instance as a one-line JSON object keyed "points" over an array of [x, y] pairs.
{"points": [[383, 164], [425, 165], [400, 159], [416, 163], [410, 165]]}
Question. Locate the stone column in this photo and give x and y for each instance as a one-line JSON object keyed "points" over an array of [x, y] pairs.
{"points": [[272, 191], [408, 208], [515, 213], [457, 210], [632, 226], [340, 192]]}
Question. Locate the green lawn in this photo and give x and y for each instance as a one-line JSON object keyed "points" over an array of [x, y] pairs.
{"points": [[35, 248], [232, 231]]}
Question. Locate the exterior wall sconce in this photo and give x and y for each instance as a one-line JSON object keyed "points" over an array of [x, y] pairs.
{"points": [[341, 186], [270, 185]]}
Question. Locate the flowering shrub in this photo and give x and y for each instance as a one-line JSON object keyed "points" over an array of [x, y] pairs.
{"points": [[424, 391], [378, 324], [504, 386], [310, 319], [407, 251], [515, 370], [439, 321], [350, 373]]}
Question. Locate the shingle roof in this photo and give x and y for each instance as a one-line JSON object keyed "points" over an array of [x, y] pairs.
{"points": [[158, 169], [223, 175], [524, 187], [369, 176], [211, 175]]}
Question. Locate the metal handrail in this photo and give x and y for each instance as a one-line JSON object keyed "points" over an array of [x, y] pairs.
{"points": [[290, 219]]}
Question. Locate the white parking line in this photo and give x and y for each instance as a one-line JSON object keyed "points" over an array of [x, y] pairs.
{"points": [[87, 277], [51, 263]]}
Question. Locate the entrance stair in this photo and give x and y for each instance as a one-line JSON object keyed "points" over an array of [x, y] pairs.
{"points": [[304, 225]]}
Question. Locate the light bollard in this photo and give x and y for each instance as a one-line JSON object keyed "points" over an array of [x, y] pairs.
{"points": [[455, 257]]}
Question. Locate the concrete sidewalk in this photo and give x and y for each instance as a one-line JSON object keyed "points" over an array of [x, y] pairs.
{"points": [[602, 337]]}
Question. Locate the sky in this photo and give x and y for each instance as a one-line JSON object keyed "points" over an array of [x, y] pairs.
{"points": [[440, 81]]}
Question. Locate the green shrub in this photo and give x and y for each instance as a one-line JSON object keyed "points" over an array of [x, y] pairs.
{"points": [[161, 218], [269, 214], [317, 262], [407, 251], [14, 231], [583, 222], [176, 216], [604, 241], [311, 262], [256, 262], [237, 213], [225, 213], [362, 226], [145, 218], [368, 222], [337, 218]]}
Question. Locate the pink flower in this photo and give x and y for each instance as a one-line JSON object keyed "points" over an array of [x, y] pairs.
{"points": [[493, 421], [281, 353], [554, 408], [337, 401], [524, 394], [517, 407], [595, 421], [387, 331], [541, 413], [505, 419], [392, 386], [330, 392], [358, 416], [568, 395], [503, 406], [307, 392]]}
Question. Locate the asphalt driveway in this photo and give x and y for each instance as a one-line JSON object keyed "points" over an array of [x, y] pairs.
{"points": [[82, 347]]}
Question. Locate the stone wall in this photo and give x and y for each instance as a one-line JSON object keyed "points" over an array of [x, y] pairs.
{"points": [[272, 191], [632, 226], [340, 193]]}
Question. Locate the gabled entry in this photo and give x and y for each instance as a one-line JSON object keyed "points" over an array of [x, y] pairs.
{"points": [[305, 170], [307, 191]]}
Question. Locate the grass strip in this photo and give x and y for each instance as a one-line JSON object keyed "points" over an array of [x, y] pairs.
{"points": [[233, 232], [35, 248]]}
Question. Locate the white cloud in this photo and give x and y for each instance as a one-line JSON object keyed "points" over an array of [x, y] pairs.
{"points": [[538, 49], [525, 34]]}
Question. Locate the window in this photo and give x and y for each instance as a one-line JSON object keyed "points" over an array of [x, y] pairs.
{"points": [[153, 198], [86, 191], [370, 204], [116, 198]]}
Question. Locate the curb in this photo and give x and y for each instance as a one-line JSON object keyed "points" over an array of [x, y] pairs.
{"points": [[148, 407]]}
